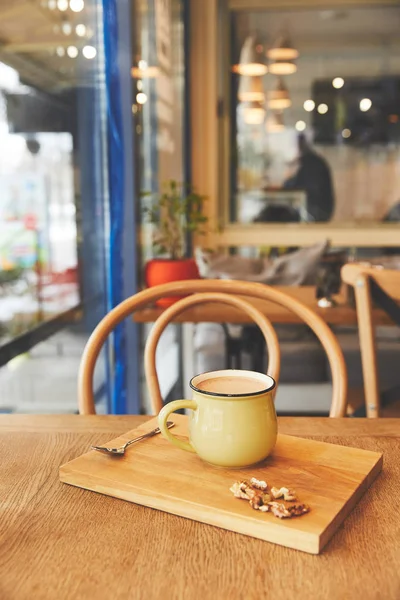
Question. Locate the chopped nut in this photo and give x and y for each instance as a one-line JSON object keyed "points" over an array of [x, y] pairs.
{"points": [[258, 485], [298, 509], [245, 487], [256, 494], [256, 502], [242, 489], [279, 510], [246, 490], [286, 512], [288, 495], [276, 493]]}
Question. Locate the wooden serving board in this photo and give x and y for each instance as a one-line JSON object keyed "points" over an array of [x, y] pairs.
{"points": [[154, 473]]}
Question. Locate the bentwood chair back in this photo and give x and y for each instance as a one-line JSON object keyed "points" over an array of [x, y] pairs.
{"points": [[235, 293], [359, 277]]}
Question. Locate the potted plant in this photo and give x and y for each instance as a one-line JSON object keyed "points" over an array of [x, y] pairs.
{"points": [[176, 213]]}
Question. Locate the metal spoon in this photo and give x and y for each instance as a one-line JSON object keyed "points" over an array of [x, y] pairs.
{"points": [[121, 450]]}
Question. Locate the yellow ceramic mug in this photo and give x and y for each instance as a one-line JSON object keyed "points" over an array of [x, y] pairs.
{"points": [[227, 429]]}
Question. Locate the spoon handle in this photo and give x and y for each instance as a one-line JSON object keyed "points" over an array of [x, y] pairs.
{"points": [[147, 435]]}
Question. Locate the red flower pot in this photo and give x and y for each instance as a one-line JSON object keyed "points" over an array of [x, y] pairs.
{"points": [[165, 270]]}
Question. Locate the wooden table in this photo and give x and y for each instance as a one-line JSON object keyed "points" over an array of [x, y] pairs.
{"points": [[342, 314], [60, 542]]}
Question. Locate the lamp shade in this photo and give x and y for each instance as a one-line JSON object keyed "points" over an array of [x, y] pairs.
{"points": [[253, 113], [251, 61], [275, 122], [283, 49], [144, 71], [282, 67], [251, 89], [279, 98]]}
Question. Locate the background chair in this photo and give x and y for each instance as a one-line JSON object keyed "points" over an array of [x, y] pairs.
{"points": [[230, 289], [362, 279], [168, 315]]}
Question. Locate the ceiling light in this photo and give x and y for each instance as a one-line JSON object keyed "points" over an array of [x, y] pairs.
{"points": [[76, 5], [62, 5], [282, 50], [282, 67], [300, 125], [365, 104], [275, 122], [80, 30], [309, 105], [89, 52], [52, 4], [251, 59], [338, 82], [66, 28], [251, 89], [144, 71], [72, 51], [60, 51], [141, 98], [253, 113], [279, 97], [322, 109], [346, 133]]}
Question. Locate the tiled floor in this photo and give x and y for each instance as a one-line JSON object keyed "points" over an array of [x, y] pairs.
{"points": [[45, 379]]}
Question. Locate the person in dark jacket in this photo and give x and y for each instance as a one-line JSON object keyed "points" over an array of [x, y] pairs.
{"points": [[314, 177]]}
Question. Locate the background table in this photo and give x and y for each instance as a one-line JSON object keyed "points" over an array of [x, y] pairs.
{"points": [[60, 542], [342, 314]]}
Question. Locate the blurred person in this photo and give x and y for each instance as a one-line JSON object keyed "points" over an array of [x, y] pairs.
{"points": [[313, 175]]}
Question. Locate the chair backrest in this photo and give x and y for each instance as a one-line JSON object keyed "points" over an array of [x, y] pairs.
{"points": [[358, 276], [231, 288], [271, 339]]}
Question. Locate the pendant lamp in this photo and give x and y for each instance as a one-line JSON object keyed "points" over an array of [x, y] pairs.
{"points": [[252, 60], [254, 113], [282, 67], [283, 49], [275, 122], [251, 89], [279, 99], [144, 71]]}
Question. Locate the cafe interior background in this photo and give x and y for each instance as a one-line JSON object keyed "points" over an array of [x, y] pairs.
{"points": [[100, 102]]}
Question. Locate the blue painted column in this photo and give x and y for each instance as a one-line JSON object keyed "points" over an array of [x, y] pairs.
{"points": [[122, 223]]}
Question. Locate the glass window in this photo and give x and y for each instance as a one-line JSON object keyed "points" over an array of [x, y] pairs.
{"points": [[314, 105], [159, 124], [53, 195]]}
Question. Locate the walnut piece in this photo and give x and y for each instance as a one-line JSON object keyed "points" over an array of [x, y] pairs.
{"points": [[256, 501], [245, 490], [286, 512], [298, 509], [288, 495], [279, 510], [258, 485], [240, 489]]}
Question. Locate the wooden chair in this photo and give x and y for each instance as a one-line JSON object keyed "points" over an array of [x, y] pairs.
{"points": [[220, 291], [359, 277]]}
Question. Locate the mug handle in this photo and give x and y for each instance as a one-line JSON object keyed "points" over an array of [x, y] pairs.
{"points": [[162, 422]]}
